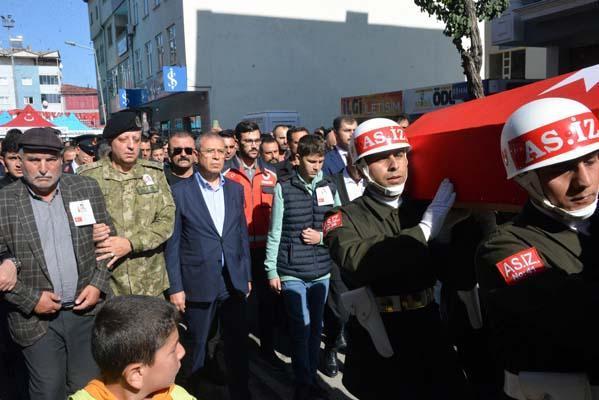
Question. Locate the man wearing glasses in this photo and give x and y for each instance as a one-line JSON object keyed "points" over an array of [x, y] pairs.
{"points": [[209, 267], [258, 180], [182, 154]]}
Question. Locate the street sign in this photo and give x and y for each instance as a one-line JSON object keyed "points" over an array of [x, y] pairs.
{"points": [[174, 79], [130, 98]]}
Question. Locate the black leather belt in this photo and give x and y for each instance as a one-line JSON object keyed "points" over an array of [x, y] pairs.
{"points": [[405, 302]]}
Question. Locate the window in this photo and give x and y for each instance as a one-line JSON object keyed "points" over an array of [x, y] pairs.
{"points": [[508, 65], [100, 54], [125, 78], [172, 45], [148, 47], [26, 81], [3, 80], [27, 100], [48, 80], [146, 8], [138, 66], [91, 18], [109, 35], [160, 51], [113, 78], [51, 98], [135, 12], [97, 13]]}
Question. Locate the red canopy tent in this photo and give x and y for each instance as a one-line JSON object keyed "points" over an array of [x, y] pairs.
{"points": [[27, 118], [462, 142]]}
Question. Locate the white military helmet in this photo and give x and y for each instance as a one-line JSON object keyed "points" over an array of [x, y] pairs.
{"points": [[546, 132], [376, 136]]}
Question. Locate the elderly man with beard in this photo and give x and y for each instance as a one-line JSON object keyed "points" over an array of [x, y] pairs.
{"points": [[182, 152], [46, 223], [269, 150]]}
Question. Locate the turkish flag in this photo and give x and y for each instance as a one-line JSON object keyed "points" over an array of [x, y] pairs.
{"points": [[462, 142]]}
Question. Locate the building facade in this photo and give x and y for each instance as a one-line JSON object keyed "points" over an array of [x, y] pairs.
{"points": [[83, 101], [30, 77], [566, 31], [240, 57]]}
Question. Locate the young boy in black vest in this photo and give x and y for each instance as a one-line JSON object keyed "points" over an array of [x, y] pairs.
{"points": [[297, 263]]}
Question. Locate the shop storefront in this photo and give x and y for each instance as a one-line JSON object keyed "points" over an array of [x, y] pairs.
{"points": [[167, 104]]}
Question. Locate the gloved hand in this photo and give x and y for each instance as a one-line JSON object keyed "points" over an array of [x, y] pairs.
{"points": [[435, 214]]}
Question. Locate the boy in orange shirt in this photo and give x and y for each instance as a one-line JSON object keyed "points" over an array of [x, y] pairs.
{"points": [[135, 342]]}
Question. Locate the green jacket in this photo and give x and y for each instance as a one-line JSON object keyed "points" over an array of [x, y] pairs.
{"points": [[381, 246], [276, 227], [178, 393], [143, 211], [539, 281]]}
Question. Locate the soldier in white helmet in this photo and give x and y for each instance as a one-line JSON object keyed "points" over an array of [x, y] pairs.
{"points": [[397, 344], [539, 274]]}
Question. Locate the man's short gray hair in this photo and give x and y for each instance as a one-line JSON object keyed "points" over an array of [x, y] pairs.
{"points": [[207, 135]]}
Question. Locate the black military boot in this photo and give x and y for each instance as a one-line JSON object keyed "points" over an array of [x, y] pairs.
{"points": [[340, 342], [329, 365]]}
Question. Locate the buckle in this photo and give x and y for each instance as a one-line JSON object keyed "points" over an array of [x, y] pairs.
{"points": [[405, 302]]}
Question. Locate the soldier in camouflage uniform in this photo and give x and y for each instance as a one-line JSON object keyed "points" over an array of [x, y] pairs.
{"points": [[139, 201]]}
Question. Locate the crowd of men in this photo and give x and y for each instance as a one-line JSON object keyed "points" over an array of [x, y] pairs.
{"points": [[313, 228]]}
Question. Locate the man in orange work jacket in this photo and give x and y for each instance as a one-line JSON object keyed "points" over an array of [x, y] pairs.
{"points": [[258, 180]]}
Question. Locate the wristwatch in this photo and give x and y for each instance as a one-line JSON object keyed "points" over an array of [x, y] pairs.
{"points": [[16, 262]]}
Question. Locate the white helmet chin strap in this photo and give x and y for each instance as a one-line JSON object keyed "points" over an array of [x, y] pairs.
{"points": [[530, 182], [392, 192]]}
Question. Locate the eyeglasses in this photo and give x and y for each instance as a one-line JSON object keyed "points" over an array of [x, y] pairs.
{"points": [[179, 150], [251, 141]]}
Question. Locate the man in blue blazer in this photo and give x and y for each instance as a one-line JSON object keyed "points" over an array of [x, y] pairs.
{"points": [[208, 262], [336, 159]]}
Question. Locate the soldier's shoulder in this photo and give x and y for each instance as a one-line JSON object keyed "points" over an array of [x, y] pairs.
{"points": [[353, 207], [151, 164], [502, 242], [96, 165], [346, 213], [77, 179]]}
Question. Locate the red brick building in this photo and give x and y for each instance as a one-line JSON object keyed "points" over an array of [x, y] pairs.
{"points": [[83, 101]]}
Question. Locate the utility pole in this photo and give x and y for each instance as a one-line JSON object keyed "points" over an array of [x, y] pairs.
{"points": [[93, 48]]}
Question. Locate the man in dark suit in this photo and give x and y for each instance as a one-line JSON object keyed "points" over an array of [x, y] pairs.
{"points": [[46, 232], [208, 262], [336, 159]]}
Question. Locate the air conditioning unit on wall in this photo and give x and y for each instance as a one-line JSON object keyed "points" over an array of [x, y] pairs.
{"points": [[507, 30], [131, 29]]}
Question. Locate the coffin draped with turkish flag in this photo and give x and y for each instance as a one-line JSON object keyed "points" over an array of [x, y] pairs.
{"points": [[462, 142]]}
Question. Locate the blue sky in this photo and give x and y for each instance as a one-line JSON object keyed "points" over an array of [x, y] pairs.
{"points": [[46, 24]]}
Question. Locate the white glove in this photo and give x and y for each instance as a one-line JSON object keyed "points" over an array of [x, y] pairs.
{"points": [[435, 214]]}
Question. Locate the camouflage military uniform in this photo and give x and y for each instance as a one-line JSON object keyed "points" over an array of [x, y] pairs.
{"points": [[143, 211]]}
